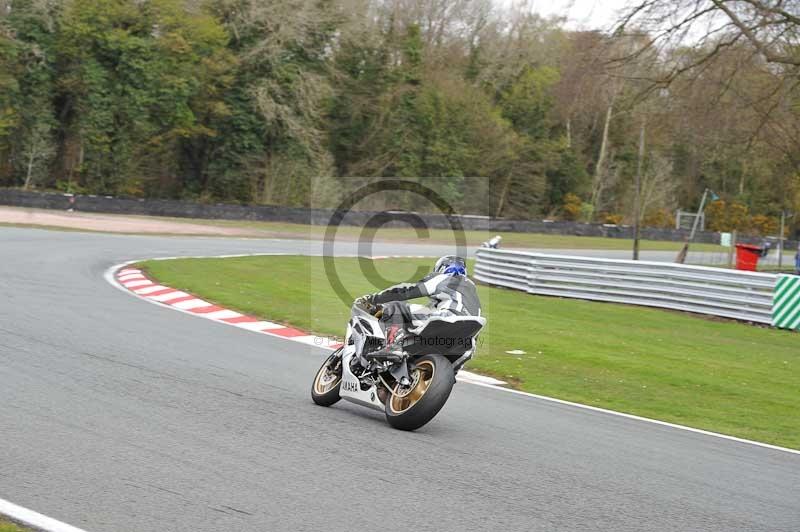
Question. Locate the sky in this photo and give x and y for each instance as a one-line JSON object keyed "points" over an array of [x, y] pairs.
{"points": [[581, 14]]}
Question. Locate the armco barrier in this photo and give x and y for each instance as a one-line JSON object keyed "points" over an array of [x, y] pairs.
{"points": [[727, 293]]}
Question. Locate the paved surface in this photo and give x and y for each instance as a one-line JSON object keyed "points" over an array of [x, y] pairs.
{"points": [[117, 223], [117, 415]]}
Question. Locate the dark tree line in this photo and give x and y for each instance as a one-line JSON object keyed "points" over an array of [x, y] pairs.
{"points": [[503, 112]]}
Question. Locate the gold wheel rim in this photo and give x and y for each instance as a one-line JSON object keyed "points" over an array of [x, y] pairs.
{"points": [[422, 378], [326, 380]]}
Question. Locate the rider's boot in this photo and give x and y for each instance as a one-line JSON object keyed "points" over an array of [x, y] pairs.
{"points": [[393, 350]]}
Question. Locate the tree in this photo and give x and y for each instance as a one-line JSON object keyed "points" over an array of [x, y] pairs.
{"points": [[749, 48], [37, 151], [658, 187], [284, 50], [27, 117], [9, 96], [502, 111], [137, 84], [526, 102], [770, 27]]}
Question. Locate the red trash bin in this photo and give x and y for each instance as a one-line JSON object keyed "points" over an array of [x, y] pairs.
{"points": [[747, 256]]}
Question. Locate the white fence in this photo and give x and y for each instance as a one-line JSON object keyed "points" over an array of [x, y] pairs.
{"points": [[719, 292]]}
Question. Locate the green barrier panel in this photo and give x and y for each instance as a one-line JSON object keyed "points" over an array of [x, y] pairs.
{"points": [[786, 302]]}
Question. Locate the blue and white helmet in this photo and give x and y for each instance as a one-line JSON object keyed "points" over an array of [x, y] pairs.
{"points": [[451, 265]]}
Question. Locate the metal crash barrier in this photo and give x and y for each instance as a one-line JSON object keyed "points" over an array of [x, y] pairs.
{"points": [[715, 291]]}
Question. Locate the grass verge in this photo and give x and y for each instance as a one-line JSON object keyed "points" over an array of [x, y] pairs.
{"points": [[8, 526], [716, 375]]}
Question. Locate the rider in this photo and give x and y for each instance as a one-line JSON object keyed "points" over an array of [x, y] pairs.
{"points": [[450, 291]]}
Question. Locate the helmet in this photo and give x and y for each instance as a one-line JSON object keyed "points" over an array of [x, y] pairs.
{"points": [[451, 265]]}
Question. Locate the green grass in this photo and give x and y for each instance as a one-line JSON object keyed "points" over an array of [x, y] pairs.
{"points": [[7, 526], [712, 374]]}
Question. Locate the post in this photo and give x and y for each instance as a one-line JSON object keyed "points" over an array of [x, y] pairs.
{"points": [[780, 239], [732, 249], [637, 201], [681, 258], [697, 217]]}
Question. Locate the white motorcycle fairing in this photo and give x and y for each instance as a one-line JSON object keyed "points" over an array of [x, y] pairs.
{"points": [[351, 387], [411, 381], [361, 327]]}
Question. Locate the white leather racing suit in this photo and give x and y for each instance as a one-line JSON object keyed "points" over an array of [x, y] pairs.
{"points": [[449, 295]]}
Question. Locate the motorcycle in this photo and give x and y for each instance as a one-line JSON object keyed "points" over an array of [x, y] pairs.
{"points": [[493, 243], [412, 384]]}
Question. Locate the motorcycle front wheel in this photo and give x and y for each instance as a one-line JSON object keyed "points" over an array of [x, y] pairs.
{"points": [[410, 407], [328, 380]]}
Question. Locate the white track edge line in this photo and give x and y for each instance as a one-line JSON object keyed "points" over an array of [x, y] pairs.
{"points": [[109, 277], [28, 517], [639, 418]]}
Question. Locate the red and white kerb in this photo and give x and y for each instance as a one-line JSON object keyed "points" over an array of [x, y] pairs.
{"points": [[137, 282]]}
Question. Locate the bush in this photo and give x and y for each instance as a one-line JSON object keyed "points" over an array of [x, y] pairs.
{"points": [[612, 218], [587, 211], [661, 218], [716, 216], [722, 216], [765, 225], [571, 210], [738, 217]]}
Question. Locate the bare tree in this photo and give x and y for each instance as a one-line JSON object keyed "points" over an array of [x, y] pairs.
{"points": [[658, 185], [615, 84], [770, 27]]}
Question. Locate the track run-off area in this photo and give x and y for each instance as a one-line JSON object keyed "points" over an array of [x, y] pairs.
{"points": [[116, 415]]}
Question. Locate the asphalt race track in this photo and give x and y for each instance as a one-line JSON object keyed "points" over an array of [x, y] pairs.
{"points": [[117, 415]]}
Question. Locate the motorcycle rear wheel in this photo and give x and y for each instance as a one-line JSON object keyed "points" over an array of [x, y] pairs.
{"points": [[328, 381], [409, 408]]}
